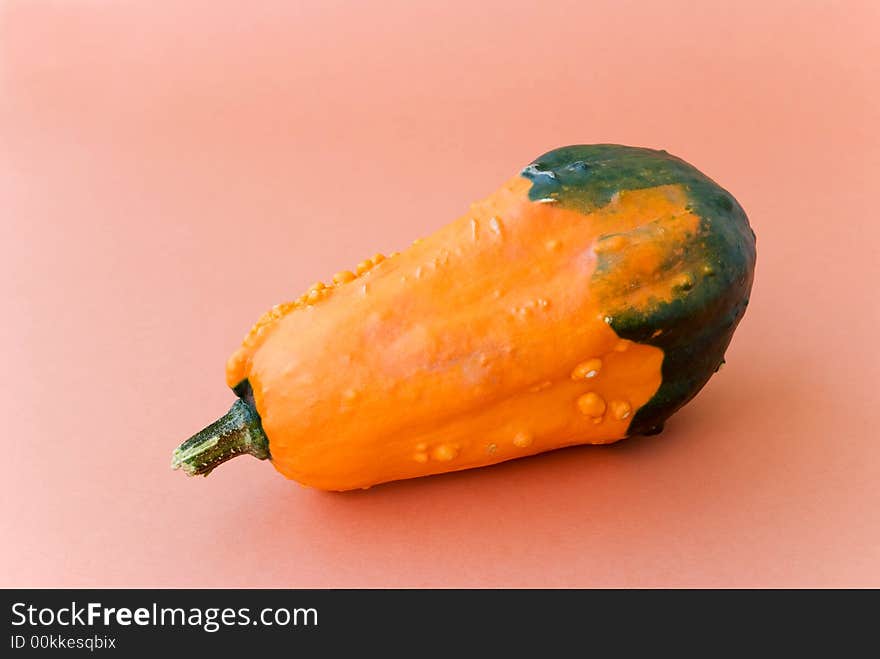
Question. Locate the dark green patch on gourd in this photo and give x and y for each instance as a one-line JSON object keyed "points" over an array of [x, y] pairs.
{"points": [[244, 391], [695, 328]]}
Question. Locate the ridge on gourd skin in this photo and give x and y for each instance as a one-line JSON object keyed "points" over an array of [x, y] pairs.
{"points": [[584, 301]]}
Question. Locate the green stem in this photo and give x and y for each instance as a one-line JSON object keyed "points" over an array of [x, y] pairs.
{"points": [[237, 432]]}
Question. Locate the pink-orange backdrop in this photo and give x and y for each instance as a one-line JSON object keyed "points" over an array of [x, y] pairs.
{"points": [[170, 170]]}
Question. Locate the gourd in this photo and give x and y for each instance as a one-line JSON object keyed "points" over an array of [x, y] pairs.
{"points": [[584, 301]]}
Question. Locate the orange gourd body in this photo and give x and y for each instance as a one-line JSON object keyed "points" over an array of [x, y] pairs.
{"points": [[534, 321]]}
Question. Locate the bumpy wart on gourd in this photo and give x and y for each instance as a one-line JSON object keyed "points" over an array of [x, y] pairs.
{"points": [[584, 301]]}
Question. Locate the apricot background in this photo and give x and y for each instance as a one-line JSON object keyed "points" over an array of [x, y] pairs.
{"points": [[170, 171]]}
